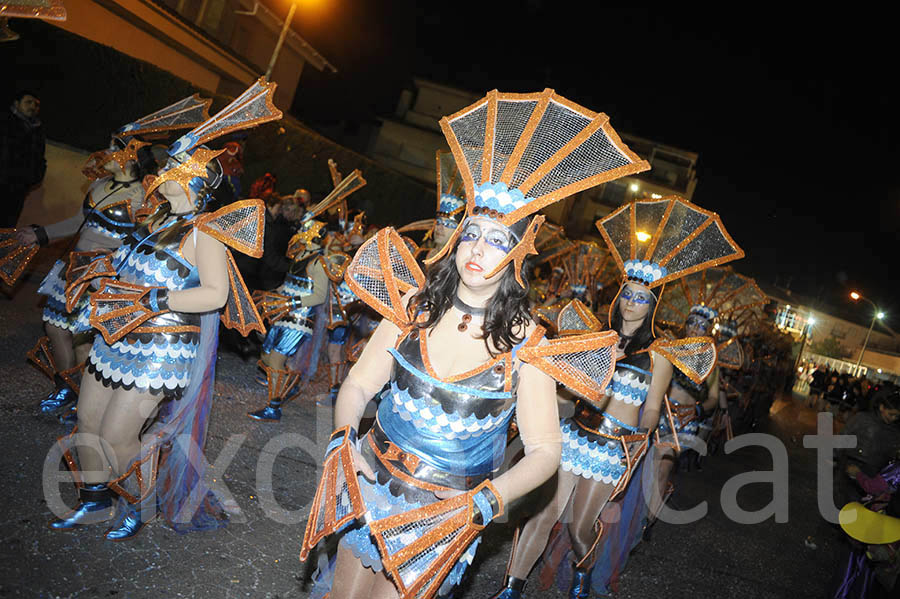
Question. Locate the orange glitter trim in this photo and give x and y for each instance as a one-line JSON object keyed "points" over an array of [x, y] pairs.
{"points": [[14, 256]]}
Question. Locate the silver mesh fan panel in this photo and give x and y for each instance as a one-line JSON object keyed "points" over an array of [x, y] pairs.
{"points": [[710, 244], [183, 112], [451, 181], [700, 362], [249, 106], [647, 216], [399, 268], [618, 228], [570, 320], [682, 222], [366, 271], [592, 157], [239, 224], [557, 127], [469, 131], [588, 367], [512, 116]]}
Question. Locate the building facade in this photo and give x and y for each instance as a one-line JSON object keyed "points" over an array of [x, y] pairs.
{"points": [[221, 46]]}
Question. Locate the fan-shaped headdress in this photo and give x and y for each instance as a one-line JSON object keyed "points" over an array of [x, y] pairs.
{"points": [[657, 241], [189, 161], [185, 113], [719, 289], [518, 153]]}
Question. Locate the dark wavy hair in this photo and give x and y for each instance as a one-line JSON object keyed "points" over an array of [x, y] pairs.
{"points": [[643, 336], [507, 311]]}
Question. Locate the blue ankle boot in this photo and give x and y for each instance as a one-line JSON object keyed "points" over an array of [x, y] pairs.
{"points": [[513, 589], [581, 584], [271, 413], [132, 524], [63, 397], [95, 506]]}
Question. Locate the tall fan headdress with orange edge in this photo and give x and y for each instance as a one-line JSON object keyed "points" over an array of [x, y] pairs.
{"points": [[657, 241], [518, 153], [251, 108], [721, 289]]}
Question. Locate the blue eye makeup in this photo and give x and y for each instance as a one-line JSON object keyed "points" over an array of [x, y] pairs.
{"points": [[496, 238], [638, 297]]}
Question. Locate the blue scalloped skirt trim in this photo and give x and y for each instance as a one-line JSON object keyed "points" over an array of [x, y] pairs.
{"points": [[285, 338], [55, 313], [590, 456], [157, 365]]}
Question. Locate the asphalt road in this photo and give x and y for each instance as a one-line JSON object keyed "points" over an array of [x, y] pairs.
{"points": [[256, 555]]}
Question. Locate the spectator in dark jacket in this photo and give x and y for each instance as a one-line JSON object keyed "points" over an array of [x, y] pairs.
{"points": [[22, 163]]}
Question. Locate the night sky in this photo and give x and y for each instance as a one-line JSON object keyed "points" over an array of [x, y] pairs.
{"points": [[789, 109]]}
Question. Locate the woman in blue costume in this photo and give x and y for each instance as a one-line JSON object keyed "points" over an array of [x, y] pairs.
{"points": [[653, 242], [459, 354], [147, 391], [112, 206]]}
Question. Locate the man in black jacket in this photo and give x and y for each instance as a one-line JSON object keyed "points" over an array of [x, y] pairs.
{"points": [[22, 163]]}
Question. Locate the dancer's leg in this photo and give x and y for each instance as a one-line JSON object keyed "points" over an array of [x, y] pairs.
{"points": [[352, 579], [536, 532]]}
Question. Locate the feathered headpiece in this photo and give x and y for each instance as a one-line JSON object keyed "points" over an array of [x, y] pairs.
{"points": [[518, 153]]}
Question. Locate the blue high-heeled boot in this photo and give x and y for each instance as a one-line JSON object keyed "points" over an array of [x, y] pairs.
{"points": [[513, 589], [135, 519], [272, 411], [95, 506], [60, 399], [581, 584]]}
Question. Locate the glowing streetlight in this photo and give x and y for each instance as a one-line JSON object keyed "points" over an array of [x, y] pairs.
{"points": [[856, 296], [635, 187], [643, 236]]}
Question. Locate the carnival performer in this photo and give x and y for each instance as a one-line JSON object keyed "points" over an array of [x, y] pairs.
{"points": [[148, 386], [653, 242], [459, 353], [290, 307], [112, 206]]}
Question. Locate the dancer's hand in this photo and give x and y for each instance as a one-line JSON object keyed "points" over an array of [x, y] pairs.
{"points": [[26, 236]]}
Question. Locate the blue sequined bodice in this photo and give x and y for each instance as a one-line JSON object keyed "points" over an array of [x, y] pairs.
{"points": [[458, 427]]}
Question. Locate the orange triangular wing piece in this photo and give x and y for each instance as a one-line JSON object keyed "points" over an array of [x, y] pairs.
{"points": [[576, 319], [273, 306], [338, 500], [694, 356], [83, 268], [240, 225], [14, 256], [240, 312], [583, 363], [382, 270], [730, 354], [116, 309]]}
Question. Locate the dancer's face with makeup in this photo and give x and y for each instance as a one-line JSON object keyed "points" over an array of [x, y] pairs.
{"points": [[483, 244], [634, 302]]}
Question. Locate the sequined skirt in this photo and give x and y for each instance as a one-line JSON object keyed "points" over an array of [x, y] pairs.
{"points": [[286, 336], [55, 313], [592, 446], [158, 362]]}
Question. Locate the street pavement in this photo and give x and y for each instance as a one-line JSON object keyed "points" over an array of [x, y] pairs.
{"points": [[256, 555]]}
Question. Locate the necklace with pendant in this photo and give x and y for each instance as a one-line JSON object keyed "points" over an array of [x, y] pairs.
{"points": [[468, 312]]}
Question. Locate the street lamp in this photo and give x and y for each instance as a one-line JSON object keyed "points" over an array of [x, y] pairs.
{"points": [[877, 315], [284, 30]]}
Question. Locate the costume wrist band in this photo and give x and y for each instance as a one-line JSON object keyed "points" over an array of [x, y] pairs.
{"points": [[487, 503], [339, 437], [41, 233]]}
